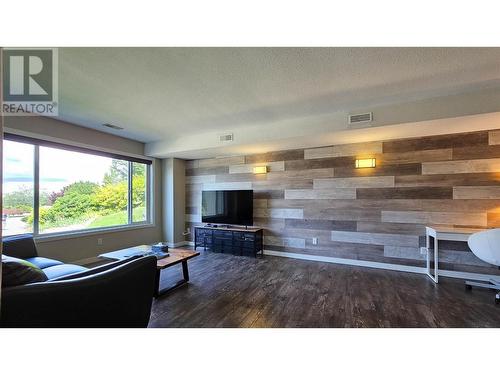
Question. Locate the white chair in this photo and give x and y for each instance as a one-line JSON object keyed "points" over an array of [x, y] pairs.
{"points": [[486, 246]]}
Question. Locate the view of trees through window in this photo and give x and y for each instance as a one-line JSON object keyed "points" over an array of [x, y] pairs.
{"points": [[76, 190], [18, 187]]}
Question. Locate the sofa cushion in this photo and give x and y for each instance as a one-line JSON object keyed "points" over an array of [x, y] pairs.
{"points": [[17, 271], [62, 270], [42, 262]]}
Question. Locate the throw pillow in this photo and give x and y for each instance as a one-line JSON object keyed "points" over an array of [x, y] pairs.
{"points": [[17, 271]]}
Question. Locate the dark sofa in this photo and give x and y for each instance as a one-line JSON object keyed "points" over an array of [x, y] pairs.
{"points": [[119, 294], [24, 247]]}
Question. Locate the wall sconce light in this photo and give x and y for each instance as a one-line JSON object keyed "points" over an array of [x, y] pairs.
{"points": [[260, 169], [365, 163]]}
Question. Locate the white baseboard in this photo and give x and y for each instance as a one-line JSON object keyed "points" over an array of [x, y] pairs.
{"points": [[349, 262], [369, 264], [379, 265], [467, 275]]}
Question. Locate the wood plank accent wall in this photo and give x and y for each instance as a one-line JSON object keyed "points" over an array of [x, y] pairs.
{"points": [[376, 214]]}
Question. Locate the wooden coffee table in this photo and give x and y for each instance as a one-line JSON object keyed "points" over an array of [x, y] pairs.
{"points": [[177, 255]]}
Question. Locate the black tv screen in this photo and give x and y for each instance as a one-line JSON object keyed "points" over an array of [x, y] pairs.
{"points": [[227, 207]]}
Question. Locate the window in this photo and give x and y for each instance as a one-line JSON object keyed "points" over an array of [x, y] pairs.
{"points": [[18, 188], [80, 191], [76, 190]]}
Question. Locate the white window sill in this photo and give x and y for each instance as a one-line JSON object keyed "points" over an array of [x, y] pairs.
{"points": [[49, 237]]}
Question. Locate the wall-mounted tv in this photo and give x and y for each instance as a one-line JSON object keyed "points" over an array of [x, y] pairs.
{"points": [[227, 207]]}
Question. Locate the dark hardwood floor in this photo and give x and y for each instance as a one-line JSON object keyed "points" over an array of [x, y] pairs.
{"points": [[232, 291]]}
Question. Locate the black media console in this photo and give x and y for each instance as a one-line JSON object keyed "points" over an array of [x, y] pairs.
{"points": [[236, 240]]}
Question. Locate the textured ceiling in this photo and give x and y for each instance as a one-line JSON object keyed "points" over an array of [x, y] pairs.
{"points": [[166, 93]]}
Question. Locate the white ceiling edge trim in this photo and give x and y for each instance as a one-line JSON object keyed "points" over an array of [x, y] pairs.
{"points": [[454, 125], [463, 124], [413, 119]]}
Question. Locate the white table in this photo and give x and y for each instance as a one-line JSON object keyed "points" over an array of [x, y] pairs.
{"points": [[442, 232]]}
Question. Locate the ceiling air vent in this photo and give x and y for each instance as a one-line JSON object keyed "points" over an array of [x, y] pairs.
{"points": [[361, 117], [226, 137], [116, 127]]}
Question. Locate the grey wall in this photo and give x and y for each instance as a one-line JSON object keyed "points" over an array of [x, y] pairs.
{"points": [[173, 200], [86, 245], [51, 127]]}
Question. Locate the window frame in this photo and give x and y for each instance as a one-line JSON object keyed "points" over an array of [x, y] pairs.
{"points": [[149, 193], [148, 162]]}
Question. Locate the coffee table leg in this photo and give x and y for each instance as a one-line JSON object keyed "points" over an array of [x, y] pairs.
{"points": [[185, 273]]}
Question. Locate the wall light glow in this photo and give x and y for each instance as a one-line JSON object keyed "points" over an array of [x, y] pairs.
{"points": [[261, 169], [365, 163]]}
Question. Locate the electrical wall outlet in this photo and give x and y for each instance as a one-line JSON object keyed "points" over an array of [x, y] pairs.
{"points": [[315, 240], [423, 250], [99, 241]]}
